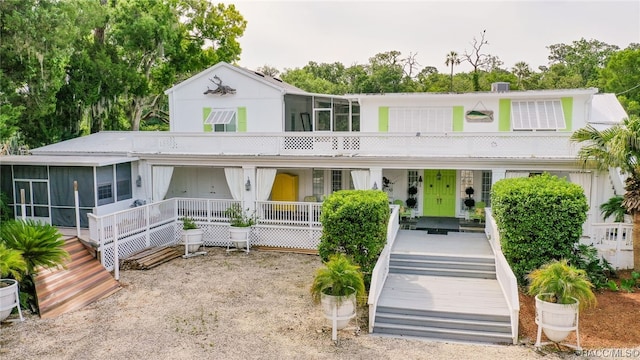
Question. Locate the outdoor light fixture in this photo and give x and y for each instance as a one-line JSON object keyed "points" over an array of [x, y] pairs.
{"points": [[438, 175], [139, 181], [420, 179], [375, 186], [247, 185]]}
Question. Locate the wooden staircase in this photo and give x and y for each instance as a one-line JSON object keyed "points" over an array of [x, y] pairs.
{"points": [[445, 297], [83, 281]]}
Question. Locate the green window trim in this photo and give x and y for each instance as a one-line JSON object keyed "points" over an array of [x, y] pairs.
{"points": [[504, 119], [205, 114], [242, 119], [567, 109], [383, 119], [458, 118]]}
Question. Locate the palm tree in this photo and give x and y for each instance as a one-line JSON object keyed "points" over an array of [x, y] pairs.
{"points": [[617, 147], [521, 70], [452, 59]]}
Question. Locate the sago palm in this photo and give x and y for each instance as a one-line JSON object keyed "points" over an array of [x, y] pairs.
{"points": [[40, 244], [617, 147], [11, 263], [339, 277]]}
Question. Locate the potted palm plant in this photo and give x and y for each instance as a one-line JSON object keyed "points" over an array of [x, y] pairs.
{"points": [[191, 235], [240, 222], [560, 291], [339, 283], [11, 264]]}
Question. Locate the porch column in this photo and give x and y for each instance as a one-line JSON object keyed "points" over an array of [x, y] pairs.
{"points": [[144, 171], [375, 178], [249, 178], [498, 174]]}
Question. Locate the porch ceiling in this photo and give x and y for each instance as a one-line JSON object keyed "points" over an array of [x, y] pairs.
{"points": [[64, 160]]}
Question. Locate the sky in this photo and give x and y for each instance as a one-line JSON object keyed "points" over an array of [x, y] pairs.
{"points": [[289, 34]]}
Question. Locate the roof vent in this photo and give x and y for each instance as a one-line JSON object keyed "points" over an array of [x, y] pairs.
{"points": [[500, 87]]}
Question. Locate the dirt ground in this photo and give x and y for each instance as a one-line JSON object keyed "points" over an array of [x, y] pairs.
{"points": [[614, 323], [235, 306]]}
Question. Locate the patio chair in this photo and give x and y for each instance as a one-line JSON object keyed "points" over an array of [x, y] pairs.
{"points": [[405, 212]]}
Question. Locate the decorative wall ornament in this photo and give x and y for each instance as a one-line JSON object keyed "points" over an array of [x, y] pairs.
{"points": [[220, 89]]}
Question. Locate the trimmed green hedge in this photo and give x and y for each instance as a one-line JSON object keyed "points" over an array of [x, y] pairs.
{"points": [[354, 222], [540, 219]]}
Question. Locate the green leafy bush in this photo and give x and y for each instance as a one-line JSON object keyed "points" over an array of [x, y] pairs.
{"points": [[559, 282], [354, 222], [598, 269], [40, 245], [540, 219], [338, 277]]}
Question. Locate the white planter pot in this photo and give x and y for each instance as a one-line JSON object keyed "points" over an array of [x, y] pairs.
{"points": [[192, 239], [239, 236], [557, 320], [346, 308], [8, 298]]}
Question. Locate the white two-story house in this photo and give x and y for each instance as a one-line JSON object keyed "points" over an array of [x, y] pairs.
{"points": [[238, 134]]}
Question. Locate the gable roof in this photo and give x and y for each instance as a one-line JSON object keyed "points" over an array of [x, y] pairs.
{"points": [[257, 76]]}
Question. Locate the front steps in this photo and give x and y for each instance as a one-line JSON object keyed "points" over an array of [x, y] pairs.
{"points": [[439, 265], [443, 297]]}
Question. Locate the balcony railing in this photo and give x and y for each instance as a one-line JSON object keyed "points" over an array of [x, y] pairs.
{"points": [[500, 144]]}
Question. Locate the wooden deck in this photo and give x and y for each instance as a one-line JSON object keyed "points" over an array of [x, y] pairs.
{"points": [[455, 243], [443, 287]]}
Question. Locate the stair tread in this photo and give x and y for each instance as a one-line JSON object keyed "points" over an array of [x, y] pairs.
{"points": [[442, 330], [442, 269], [443, 319]]}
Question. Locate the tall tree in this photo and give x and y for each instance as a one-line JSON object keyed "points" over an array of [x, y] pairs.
{"points": [[582, 57], [621, 76], [452, 60], [521, 70], [476, 58], [617, 147]]}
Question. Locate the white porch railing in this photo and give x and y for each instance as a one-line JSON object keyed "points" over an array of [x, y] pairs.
{"points": [[614, 242], [504, 274], [395, 144], [381, 270], [279, 224]]}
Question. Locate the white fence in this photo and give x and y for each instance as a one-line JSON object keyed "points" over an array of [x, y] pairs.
{"points": [[381, 270], [279, 224], [504, 274], [614, 242]]}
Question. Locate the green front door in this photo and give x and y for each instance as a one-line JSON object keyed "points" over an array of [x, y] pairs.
{"points": [[440, 193]]}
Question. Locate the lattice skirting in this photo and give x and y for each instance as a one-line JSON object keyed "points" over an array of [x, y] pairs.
{"points": [[159, 236], [214, 235]]}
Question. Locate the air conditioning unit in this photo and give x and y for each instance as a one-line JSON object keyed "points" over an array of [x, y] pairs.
{"points": [[500, 87]]}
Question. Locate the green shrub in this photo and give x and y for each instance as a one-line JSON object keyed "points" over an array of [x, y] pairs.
{"points": [[354, 222], [338, 277], [598, 269], [540, 219], [40, 245], [559, 282]]}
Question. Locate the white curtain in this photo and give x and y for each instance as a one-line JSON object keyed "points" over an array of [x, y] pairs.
{"points": [[234, 181], [360, 179], [265, 178], [516, 174], [584, 180], [161, 180]]}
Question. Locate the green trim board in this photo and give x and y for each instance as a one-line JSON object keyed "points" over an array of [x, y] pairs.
{"points": [[242, 119], [504, 118], [458, 118], [383, 119], [205, 114], [567, 109]]}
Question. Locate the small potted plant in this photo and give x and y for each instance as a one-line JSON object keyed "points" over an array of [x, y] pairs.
{"points": [[240, 222], [339, 283], [560, 291], [191, 235], [13, 265]]}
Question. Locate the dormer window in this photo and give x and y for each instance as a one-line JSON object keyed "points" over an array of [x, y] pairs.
{"points": [[537, 115]]}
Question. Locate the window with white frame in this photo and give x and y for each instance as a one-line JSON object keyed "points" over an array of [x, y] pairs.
{"points": [[486, 187], [537, 115], [420, 119], [222, 120]]}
